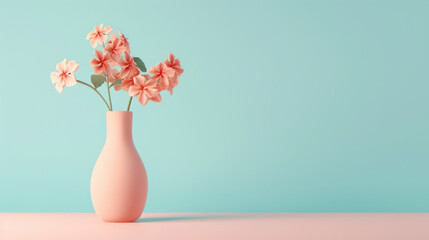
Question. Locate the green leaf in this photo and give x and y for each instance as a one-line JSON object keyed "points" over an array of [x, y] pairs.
{"points": [[97, 80], [118, 82], [140, 64]]}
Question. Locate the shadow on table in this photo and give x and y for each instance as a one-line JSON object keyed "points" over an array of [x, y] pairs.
{"points": [[193, 217], [220, 216]]}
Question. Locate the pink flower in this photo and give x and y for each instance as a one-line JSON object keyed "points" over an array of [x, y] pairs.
{"points": [[100, 63], [128, 67], [129, 82], [125, 41], [163, 73], [144, 89], [65, 75], [126, 84], [114, 49], [98, 35], [174, 63], [114, 76]]}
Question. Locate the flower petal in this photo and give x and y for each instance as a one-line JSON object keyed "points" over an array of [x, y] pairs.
{"points": [[72, 66], [143, 98], [117, 87], [70, 80], [134, 91], [134, 72], [128, 57], [156, 98], [152, 82], [113, 37], [170, 89], [139, 81], [90, 35], [99, 28], [55, 77], [93, 42], [106, 68], [107, 30], [113, 76], [60, 86], [94, 63], [153, 70], [61, 67], [169, 72], [102, 39], [124, 73], [171, 58], [164, 82], [98, 70], [151, 92], [98, 54], [126, 84]]}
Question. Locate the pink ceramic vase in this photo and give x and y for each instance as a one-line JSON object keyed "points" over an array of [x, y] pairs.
{"points": [[119, 180]]}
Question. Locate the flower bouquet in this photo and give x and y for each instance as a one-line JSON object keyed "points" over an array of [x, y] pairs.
{"points": [[118, 69], [119, 182]]}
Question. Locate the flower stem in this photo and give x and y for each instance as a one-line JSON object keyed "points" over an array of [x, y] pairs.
{"points": [[108, 93], [129, 104], [104, 100]]}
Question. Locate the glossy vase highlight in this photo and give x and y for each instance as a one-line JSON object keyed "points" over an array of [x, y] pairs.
{"points": [[119, 181]]}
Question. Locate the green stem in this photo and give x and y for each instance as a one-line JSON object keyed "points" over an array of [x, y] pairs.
{"points": [[108, 93], [129, 104], [104, 100]]}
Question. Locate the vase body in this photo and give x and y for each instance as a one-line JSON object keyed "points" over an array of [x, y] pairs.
{"points": [[119, 181]]}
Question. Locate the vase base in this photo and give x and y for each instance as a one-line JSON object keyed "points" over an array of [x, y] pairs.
{"points": [[118, 220]]}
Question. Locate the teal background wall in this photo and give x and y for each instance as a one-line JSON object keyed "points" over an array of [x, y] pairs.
{"points": [[284, 105]]}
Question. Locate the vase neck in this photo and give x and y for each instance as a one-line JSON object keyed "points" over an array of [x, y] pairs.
{"points": [[119, 125]]}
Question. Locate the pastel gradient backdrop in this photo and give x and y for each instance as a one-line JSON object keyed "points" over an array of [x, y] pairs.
{"points": [[302, 106]]}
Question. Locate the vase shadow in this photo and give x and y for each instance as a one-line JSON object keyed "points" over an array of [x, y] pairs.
{"points": [[191, 217]]}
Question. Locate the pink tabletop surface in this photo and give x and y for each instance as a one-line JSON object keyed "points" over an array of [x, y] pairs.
{"points": [[294, 226]]}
